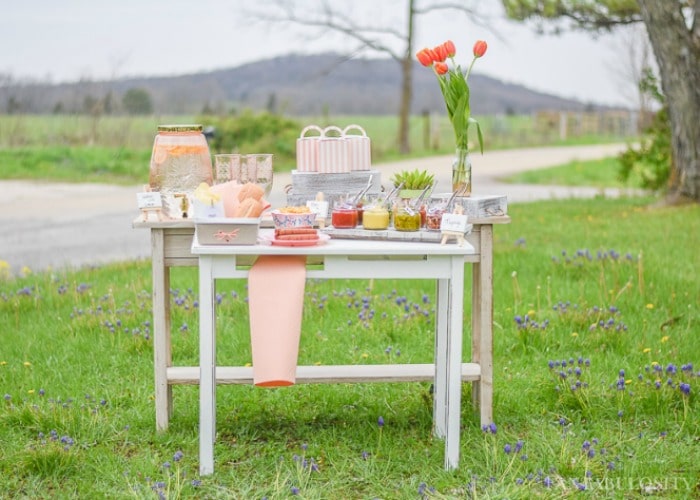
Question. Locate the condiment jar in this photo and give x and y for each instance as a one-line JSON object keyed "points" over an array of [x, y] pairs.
{"points": [[180, 160], [376, 217], [344, 216], [406, 218], [433, 218]]}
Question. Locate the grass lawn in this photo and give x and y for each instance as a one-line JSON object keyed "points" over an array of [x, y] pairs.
{"points": [[603, 173], [597, 373]]}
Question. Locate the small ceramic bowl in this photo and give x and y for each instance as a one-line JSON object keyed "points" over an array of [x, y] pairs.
{"points": [[292, 220]]}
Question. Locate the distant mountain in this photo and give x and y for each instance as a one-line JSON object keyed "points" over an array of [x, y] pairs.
{"points": [[298, 85]]}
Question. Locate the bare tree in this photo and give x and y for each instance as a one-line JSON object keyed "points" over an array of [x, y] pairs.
{"points": [[375, 35], [16, 99], [631, 67]]}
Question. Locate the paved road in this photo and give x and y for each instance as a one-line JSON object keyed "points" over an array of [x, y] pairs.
{"points": [[51, 225]]}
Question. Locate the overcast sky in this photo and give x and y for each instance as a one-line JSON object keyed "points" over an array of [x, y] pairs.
{"points": [[66, 40]]}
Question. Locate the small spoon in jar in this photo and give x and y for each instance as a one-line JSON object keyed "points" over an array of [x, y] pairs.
{"points": [[416, 203], [363, 192]]}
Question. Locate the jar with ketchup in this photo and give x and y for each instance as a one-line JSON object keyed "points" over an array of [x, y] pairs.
{"points": [[344, 215]]}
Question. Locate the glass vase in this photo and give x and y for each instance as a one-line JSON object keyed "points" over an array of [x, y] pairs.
{"points": [[462, 173]]}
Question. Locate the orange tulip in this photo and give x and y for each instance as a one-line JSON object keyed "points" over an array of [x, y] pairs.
{"points": [[480, 48], [424, 57], [450, 48], [441, 53], [433, 54], [454, 87]]}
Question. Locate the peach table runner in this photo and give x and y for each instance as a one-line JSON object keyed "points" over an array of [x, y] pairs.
{"points": [[276, 300]]}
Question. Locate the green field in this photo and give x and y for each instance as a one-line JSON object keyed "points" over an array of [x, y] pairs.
{"points": [[596, 377], [117, 149]]}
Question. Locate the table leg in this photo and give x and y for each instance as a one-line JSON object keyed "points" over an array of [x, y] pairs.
{"points": [[207, 367], [162, 353], [454, 362], [440, 381], [485, 325], [476, 329]]}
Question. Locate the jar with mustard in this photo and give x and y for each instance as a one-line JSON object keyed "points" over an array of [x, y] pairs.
{"points": [[376, 217]]}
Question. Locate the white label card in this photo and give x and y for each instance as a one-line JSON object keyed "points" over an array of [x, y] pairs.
{"points": [[151, 199], [454, 223], [320, 208]]}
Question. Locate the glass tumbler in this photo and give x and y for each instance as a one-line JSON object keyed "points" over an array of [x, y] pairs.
{"points": [[258, 169], [225, 165]]}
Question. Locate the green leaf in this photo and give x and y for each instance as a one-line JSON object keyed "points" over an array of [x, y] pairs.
{"points": [[478, 134]]}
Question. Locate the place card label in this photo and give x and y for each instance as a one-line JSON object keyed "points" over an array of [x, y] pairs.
{"points": [[149, 200], [456, 223], [320, 208]]}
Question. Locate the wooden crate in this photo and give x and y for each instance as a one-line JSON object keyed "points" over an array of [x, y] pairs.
{"points": [[306, 185], [480, 206]]}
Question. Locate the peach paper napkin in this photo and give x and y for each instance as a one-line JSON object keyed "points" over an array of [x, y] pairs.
{"points": [[275, 301]]}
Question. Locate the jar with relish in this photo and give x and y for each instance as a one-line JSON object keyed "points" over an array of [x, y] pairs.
{"points": [[406, 218]]}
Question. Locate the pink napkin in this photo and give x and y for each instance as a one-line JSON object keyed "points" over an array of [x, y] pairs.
{"points": [[275, 301]]}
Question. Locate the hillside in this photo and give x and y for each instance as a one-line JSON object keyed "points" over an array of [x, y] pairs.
{"points": [[296, 85]]}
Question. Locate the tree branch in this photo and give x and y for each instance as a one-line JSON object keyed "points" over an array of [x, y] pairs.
{"points": [[328, 18], [590, 16], [446, 6]]}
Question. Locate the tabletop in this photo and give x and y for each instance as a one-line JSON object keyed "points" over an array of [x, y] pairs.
{"points": [[335, 247]]}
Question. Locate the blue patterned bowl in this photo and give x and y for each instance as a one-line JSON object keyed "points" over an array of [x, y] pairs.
{"points": [[292, 220]]}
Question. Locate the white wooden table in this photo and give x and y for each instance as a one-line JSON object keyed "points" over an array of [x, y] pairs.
{"points": [[171, 246]]}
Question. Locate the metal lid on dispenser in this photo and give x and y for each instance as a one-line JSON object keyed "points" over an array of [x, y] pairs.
{"points": [[180, 128]]}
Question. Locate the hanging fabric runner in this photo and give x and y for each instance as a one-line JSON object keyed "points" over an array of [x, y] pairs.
{"points": [[276, 299]]}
